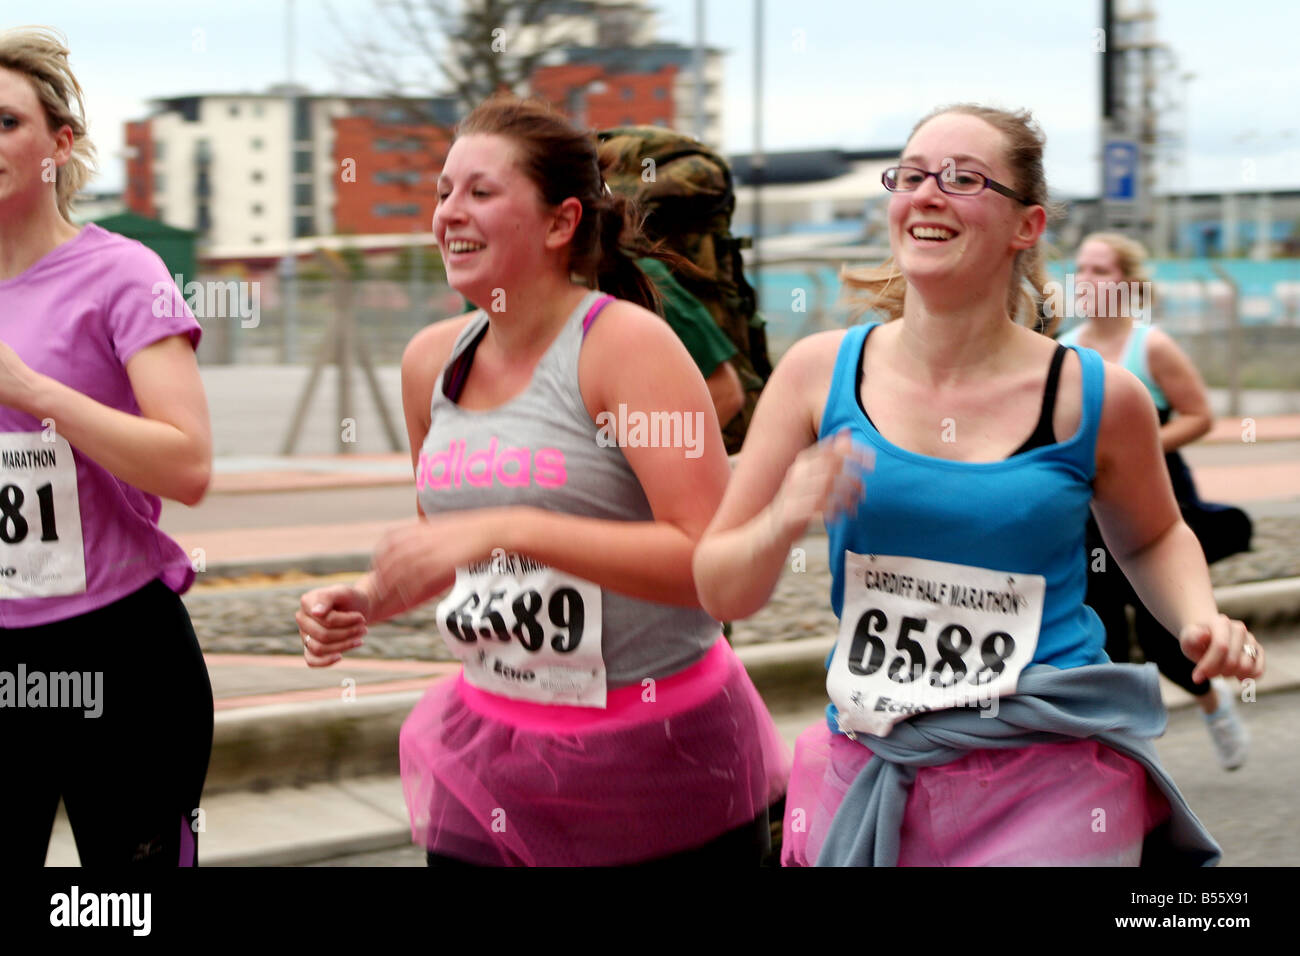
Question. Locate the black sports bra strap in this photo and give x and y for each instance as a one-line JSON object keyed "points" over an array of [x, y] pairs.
{"points": [[1043, 434], [456, 373]]}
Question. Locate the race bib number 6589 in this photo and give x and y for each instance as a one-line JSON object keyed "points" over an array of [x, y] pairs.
{"points": [[918, 635], [527, 631]]}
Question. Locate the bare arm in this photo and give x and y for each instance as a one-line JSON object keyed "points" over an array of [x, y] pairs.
{"points": [[779, 486], [423, 360], [1140, 522], [726, 391], [1183, 386], [166, 450]]}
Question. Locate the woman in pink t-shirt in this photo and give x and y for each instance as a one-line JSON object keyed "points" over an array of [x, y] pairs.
{"points": [[104, 697]]}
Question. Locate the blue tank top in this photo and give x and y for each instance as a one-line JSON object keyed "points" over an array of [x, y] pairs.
{"points": [[1024, 515], [1133, 358]]}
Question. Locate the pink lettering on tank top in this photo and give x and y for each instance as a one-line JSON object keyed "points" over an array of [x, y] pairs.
{"points": [[484, 467]]}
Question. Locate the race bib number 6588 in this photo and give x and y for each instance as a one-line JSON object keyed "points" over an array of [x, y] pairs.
{"points": [[918, 635]]}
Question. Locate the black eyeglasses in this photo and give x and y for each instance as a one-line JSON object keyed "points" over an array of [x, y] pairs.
{"points": [[955, 182]]}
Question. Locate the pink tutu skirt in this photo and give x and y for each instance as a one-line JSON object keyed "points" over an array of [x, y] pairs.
{"points": [[1075, 803], [663, 769]]}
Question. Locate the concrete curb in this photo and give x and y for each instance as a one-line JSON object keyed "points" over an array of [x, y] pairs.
{"points": [[279, 745], [1262, 603], [358, 561]]}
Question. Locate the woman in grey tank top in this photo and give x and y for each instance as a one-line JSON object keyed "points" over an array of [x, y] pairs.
{"points": [[565, 469]]}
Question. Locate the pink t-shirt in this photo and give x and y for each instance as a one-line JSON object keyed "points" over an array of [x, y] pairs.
{"points": [[78, 315]]}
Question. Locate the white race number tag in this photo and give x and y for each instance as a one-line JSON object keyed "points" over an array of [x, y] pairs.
{"points": [[919, 635], [527, 631], [41, 551]]}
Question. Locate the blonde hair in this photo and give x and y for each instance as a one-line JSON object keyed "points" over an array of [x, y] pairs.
{"points": [[1131, 257], [41, 54], [882, 288]]}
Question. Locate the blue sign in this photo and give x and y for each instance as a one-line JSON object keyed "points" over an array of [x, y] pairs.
{"points": [[1121, 167]]}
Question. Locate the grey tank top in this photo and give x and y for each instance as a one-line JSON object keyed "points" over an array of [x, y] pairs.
{"points": [[539, 449]]}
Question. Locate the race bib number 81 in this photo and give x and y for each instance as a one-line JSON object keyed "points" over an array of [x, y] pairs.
{"points": [[919, 635], [41, 550], [527, 631]]}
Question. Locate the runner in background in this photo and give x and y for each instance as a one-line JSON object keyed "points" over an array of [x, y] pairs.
{"points": [[710, 350], [599, 719], [971, 723], [104, 696], [1111, 286]]}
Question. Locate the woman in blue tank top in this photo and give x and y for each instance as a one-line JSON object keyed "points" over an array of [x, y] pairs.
{"points": [[974, 717], [565, 469], [1113, 295]]}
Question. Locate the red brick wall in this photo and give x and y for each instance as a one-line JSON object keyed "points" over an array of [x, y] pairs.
{"points": [[629, 98], [139, 169], [356, 138]]}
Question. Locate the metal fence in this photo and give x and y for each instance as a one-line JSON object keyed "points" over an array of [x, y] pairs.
{"points": [[1239, 338], [294, 319]]}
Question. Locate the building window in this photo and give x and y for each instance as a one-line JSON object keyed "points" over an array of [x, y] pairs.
{"points": [[302, 161], [303, 194], [257, 176], [302, 120], [257, 142], [627, 121], [234, 109], [304, 226], [257, 209], [627, 93], [386, 176], [383, 145], [396, 209], [204, 222], [258, 240], [158, 150], [257, 109], [660, 93], [159, 182]]}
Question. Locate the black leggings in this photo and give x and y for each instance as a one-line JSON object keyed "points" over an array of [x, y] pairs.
{"points": [[131, 777], [1109, 592]]}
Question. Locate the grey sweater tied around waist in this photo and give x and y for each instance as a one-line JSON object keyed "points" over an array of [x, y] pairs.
{"points": [[1118, 705]]}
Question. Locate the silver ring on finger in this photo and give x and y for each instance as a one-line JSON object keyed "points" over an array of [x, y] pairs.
{"points": [[1251, 651], [305, 640]]}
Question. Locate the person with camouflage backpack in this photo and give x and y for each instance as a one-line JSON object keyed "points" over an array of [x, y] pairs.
{"points": [[686, 193]]}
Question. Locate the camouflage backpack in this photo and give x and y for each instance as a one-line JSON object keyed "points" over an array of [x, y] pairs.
{"points": [[685, 190]]}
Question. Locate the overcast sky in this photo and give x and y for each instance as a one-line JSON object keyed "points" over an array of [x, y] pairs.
{"points": [[838, 73]]}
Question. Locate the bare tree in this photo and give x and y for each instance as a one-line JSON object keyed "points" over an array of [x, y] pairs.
{"points": [[417, 51]]}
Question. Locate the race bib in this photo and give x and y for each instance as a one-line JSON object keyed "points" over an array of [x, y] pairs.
{"points": [[41, 550], [527, 631], [919, 635]]}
